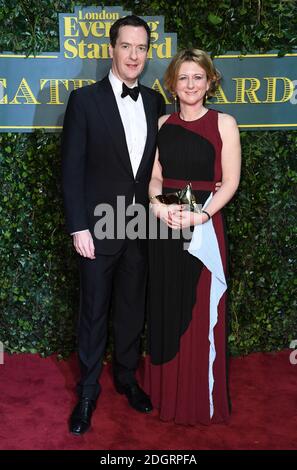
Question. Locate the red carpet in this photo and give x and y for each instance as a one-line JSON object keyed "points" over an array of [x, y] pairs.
{"points": [[37, 397]]}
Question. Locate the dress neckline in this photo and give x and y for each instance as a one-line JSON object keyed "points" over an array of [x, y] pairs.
{"points": [[194, 120]]}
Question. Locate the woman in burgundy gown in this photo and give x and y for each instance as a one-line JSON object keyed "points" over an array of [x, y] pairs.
{"points": [[186, 370]]}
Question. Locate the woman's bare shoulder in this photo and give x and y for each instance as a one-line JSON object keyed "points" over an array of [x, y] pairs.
{"points": [[162, 120], [226, 120]]}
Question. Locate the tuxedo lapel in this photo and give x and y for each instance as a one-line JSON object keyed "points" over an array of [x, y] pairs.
{"points": [[108, 109], [150, 139]]}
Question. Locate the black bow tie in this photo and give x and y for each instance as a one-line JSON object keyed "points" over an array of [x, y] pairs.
{"points": [[133, 92]]}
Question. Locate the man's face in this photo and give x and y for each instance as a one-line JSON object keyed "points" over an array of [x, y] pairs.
{"points": [[129, 54]]}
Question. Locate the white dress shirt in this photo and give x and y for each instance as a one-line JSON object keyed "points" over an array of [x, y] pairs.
{"points": [[134, 121]]}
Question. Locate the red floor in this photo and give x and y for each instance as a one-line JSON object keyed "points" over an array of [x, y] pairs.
{"points": [[37, 396]]}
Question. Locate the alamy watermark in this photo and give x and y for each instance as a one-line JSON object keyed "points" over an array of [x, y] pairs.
{"points": [[133, 221]]}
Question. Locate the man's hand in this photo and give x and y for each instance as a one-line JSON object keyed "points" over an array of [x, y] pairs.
{"points": [[84, 245]]}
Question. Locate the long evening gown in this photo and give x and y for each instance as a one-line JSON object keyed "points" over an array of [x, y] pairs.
{"points": [[186, 369]]}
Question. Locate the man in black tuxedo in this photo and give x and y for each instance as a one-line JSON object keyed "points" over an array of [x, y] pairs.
{"points": [[108, 147]]}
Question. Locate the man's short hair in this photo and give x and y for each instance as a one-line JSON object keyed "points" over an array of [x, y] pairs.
{"points": [[131, 20]]}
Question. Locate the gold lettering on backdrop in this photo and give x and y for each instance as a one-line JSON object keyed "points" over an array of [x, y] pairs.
{"points": [[102, 15], [80, 82], [153, 25], [3, 98], [24, 92], [158, 87], [98, 29], [272, 88], [54, 87], [74, 28], [241, 90], [220, 96], [70, 46], [163, 50], [70, 23], [84, 50], [79, 31]]}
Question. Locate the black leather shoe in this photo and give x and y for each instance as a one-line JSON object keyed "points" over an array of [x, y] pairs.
{"points": [[80, 419], [137, 398]]}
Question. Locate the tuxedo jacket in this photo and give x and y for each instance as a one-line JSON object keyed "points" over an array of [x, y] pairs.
{"points": [[96, 165]]}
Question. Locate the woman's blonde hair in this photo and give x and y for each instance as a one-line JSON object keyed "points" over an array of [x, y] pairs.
{"points": [[191, 55]]}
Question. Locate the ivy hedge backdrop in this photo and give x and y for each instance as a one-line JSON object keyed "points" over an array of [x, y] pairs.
{"points": [[38, 276]]}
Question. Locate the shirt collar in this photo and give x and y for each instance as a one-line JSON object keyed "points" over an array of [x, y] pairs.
{"points": [[117, 84]]}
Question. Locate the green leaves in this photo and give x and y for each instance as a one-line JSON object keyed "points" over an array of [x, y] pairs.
{"points": [[38, 282], [263, 258], [214, 19]]}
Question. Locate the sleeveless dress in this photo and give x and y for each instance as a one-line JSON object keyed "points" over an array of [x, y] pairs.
{"points": [[185, 371]]}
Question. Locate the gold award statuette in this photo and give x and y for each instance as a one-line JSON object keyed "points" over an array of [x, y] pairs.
{"points": [[183, 196]]}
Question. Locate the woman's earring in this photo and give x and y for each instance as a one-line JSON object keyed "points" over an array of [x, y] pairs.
{"points": [[175, 102]]}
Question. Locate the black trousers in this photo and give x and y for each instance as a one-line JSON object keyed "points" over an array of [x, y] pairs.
{"points": [[117, 283]]}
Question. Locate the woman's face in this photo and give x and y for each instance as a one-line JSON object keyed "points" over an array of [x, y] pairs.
{"points": [[191, 84]]}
